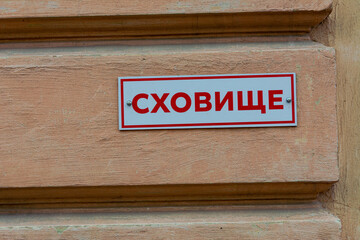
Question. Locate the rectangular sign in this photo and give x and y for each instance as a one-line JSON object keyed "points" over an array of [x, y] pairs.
{"points": [[207, 101]]}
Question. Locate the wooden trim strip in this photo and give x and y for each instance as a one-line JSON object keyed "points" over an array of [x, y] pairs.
{"points": [[300, 221], [159, 26], [71, 8], [163, 194]]}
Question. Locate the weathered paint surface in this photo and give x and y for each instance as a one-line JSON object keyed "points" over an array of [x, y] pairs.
{"points": [[342, 31], [305, 222], [61, 8], [59, 118]]}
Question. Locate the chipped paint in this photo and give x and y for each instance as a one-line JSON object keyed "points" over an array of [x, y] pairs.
{"points": [[8, 10], [52, 4], [299, 141], [60, 229], [317, 102]]}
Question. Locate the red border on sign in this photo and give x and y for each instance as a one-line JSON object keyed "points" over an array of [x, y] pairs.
{"points": [[205, 78]]}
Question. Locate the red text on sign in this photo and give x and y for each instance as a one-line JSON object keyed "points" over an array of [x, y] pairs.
{"points": [[202, 102]]}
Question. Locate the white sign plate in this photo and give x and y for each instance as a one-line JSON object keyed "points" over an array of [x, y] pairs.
{"points": [[207, 101]]}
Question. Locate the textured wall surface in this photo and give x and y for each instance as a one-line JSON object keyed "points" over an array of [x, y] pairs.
{"points": [[342, 31], [59, 119], [305, 222], [64, 164]]}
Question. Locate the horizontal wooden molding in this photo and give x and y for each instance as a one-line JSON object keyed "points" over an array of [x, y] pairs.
{"points": [[157, 21], [198, 194], [300, 221], [62, 8]]}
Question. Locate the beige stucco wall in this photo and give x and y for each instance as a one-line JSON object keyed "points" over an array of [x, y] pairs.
{"points": [[342, 31]]}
